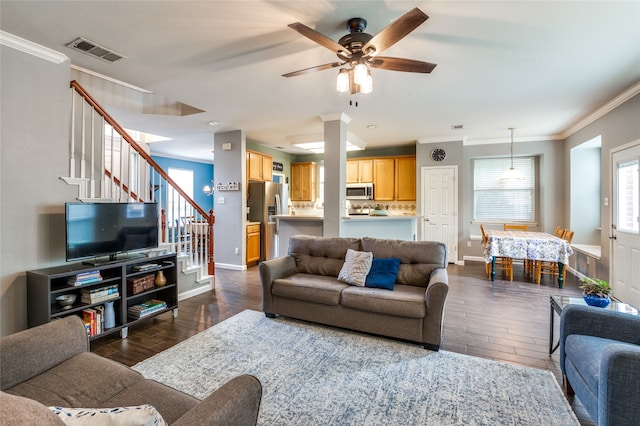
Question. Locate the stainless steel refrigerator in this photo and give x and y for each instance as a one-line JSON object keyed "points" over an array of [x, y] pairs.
{"points": [[265, 200]]}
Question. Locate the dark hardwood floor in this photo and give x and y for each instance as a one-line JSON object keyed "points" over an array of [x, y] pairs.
{"points": [[500, 320]]}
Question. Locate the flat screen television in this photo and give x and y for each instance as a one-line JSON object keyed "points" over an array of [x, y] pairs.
{"points": [[106, 229]]}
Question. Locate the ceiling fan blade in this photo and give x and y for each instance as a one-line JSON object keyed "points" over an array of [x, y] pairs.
{"points": [[394, 32], [319, 38], [313, 69], [401, 64]]}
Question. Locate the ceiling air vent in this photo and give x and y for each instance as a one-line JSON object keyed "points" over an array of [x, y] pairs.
{"points": [[95, 50]]}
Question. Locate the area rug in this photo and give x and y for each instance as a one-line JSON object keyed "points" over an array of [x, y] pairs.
{"points": [[317, 375]]}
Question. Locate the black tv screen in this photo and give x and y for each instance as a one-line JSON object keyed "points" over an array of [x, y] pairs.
{"points": [[105, 229]]}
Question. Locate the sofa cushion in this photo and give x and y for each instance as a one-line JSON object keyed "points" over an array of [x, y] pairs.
{"points": [[141, 415], [404, 301], [309, 287], [417, 258], [356, 267], [589, 350], [321, 255], [85, 380], [17, 410], [383, 273]]}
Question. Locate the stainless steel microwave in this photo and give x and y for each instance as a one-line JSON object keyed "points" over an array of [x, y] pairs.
{"points": [[359, 191]]}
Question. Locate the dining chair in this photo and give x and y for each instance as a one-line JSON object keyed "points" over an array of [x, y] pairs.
{"points": [[551, 268], [513, 227], [527, 265], [504, 264]]}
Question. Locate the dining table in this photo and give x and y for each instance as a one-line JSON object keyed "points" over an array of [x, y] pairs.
{"points": [[527, 245]]}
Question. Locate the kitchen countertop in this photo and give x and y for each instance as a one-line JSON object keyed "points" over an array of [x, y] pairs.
{"points": [[252, 223], [367, 217], [297, 217]]}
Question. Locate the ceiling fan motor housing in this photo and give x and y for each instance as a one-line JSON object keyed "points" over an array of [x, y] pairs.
{"points": [[353, 43]]}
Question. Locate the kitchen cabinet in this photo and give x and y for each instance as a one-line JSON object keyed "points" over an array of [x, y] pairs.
{"points": [[360, 171], [405, 178], [253, 244], [384, 179], [259, 166], [303, 181]]}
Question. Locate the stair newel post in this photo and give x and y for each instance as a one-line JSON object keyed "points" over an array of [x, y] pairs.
{"points": [[211, 219]]}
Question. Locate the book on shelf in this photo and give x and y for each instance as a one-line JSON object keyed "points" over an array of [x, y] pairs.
{"points": [[89, 317], [100, 294], [143, 309], [85, 278]]}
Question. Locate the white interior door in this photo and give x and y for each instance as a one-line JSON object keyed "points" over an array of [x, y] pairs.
{"points": [[440, 207], [625, 232]]}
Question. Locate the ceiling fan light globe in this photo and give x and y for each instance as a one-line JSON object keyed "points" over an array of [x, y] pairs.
{"points": [[367, 84], [342, 82], [360, 72]]}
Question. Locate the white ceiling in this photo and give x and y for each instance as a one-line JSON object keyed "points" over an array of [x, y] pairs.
{"points": [[538, 66]]}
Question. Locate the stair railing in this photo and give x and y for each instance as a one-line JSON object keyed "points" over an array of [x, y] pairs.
{"points": [[108, 165]]}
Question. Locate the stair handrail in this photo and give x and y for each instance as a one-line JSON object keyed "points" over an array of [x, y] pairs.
{"points": [[209, 217], [75, 85]]}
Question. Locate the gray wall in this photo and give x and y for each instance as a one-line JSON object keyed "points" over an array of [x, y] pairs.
{"points": [[229, 229], [34, 135], [617, 128], [549, 200]]}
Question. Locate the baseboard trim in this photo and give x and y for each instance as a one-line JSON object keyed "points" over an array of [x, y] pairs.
{"points": [[195, 292], [231, 266]]}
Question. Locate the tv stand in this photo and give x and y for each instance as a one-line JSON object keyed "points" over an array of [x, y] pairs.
{"points": [[125, 274]]}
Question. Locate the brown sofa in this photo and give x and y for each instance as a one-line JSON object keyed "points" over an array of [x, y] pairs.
{"points": [[304, 285], [51, 365]]}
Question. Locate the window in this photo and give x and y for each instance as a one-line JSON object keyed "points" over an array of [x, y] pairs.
{"points": [[499, 200], [628, 203], [177, 205]]}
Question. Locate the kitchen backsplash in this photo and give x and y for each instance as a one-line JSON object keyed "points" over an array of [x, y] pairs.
{"points": [[393, 208]]}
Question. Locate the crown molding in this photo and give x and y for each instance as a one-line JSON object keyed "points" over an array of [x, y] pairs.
{"points": [[443, 140], [31, 48], [602, 111]]}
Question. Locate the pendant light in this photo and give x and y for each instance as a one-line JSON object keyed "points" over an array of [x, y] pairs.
{"points": [[512, 173]]}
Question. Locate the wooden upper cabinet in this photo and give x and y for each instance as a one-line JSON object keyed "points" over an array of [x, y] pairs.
{"points": [[259, 166], [303, 181], [359, 171], [267, 167], [405, 178], [384, 179]]}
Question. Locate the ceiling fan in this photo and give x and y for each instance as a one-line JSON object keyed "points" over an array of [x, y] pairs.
{"points": [[359, 51]]}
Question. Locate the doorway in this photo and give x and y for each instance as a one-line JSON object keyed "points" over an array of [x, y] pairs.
{"points": [[440, 207], [625, 224]]}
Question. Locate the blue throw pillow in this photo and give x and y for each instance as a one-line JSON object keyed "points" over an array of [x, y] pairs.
{"points": [[383, 273]]}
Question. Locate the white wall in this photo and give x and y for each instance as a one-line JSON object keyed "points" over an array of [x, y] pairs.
{"points": [[34, 135]]}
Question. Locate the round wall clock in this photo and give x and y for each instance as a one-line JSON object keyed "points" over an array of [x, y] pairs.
{"points": [[438, 154]]}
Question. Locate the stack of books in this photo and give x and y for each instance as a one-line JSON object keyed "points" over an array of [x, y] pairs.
{"points": [[146, 308], [102, 294], [85, 278], [93, 320]]}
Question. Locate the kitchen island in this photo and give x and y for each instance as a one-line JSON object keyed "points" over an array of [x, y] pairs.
{"points": [[290, 225], [401, 227]]}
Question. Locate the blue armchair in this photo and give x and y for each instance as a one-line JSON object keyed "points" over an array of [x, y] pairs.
{"points": [[600, 362]]}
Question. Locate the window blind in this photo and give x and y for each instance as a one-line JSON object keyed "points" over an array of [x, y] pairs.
{"points": [[504, 201]]}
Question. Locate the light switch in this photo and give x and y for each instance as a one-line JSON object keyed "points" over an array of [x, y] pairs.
{"points": [[606, 201], [220, 200]]}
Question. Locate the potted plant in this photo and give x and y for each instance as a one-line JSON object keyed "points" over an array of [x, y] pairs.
{"points": [[595, 292]]}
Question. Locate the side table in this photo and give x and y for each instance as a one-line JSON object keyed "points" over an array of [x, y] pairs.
{"points": [[557, 304]]}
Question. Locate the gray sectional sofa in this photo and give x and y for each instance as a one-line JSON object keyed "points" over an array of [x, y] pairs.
{"points": [[304, 285], [50, 365]]}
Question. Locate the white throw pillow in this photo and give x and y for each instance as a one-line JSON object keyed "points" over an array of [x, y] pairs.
{"points": [[356, 267], [143, 415]]}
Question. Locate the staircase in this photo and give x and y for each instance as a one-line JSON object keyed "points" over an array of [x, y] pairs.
{"points": [[107, 165]]}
